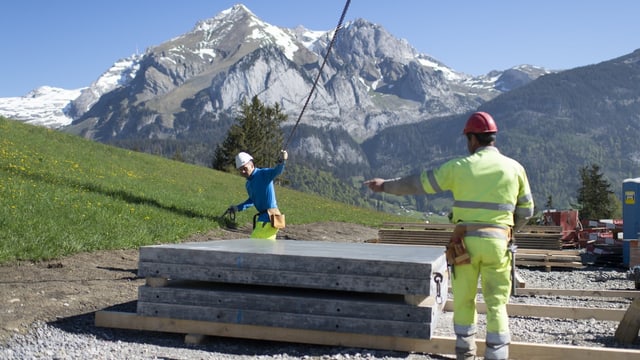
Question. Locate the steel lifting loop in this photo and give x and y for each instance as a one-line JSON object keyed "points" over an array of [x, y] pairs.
{"points": [[437, 278]]}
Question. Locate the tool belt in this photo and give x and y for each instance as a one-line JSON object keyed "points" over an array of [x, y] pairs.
{"points": [[276, 218], [456, 250]]}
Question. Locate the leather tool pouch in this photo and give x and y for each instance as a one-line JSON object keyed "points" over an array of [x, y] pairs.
{"points": [[276, 218], [456, 250]]}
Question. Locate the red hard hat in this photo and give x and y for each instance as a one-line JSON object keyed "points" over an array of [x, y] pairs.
{"points": [[480, 122]]}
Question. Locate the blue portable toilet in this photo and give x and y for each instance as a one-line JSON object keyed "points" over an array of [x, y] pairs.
{"points": [[630, 216]]}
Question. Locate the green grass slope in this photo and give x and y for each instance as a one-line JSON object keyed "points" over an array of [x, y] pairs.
{"points": [[61, 194]]}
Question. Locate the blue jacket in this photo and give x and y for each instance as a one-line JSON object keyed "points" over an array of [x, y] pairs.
{"points": [[261, 191]]}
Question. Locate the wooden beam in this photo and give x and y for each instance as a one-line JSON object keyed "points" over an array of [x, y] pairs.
{"points": [[132, 321], [156, 281], [437, 345], [558, 312], [633, 294], [525, 291], [627, 331], [549, 264], [520, 282]]}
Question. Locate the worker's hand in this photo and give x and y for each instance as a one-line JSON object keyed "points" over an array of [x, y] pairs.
{"points": [[376, 184], [283, 156]]}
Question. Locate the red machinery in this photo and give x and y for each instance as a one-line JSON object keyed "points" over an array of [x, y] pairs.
{"points": [[583, 234]]}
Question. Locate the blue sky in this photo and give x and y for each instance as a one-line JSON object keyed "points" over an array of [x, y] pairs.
{"points": [[70, 43]]}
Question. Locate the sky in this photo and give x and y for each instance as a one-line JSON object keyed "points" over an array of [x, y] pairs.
{"points": [[70, 43]]}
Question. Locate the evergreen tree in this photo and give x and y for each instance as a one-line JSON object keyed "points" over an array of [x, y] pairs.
{"points": [[595, 197], [549, 203], [257, 131]]}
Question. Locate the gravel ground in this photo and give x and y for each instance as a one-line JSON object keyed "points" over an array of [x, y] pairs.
{"points": [[77, 337]]}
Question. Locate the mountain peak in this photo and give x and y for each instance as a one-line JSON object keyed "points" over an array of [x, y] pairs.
{"points": [[222, 33], [237, 9], [236, 13]]}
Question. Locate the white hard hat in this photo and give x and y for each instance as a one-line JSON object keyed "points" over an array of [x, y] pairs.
{"points": [[242, 158]]}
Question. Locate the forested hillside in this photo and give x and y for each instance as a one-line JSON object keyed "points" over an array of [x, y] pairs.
{"points": [[554, 126]]}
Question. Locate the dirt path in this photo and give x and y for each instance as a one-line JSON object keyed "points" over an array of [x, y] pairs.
{"points": [[88, 282]]}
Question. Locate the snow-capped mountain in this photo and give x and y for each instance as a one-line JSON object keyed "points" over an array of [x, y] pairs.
{"points": [[45, 106], [371, 81], [55, 107], [119, 74]]}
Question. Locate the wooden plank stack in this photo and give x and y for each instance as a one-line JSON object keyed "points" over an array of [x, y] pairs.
{"points": [[356, 288], [532, 237], [549, 258], [537, 245]]}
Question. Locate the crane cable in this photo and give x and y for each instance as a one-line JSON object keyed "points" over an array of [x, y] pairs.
{"points": [[324, 61]]}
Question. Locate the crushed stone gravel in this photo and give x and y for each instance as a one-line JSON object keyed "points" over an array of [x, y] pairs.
{"points": [[78, 338]]}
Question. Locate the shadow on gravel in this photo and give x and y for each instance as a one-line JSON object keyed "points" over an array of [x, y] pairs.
{"points": [[612, 342], [84, 324]]}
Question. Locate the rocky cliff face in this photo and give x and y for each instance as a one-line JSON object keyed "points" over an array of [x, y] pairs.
{"points": [[371, 81]]}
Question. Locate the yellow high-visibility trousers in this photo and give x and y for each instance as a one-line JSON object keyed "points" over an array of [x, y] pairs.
{"points": [[264, 230], [491, 263]]}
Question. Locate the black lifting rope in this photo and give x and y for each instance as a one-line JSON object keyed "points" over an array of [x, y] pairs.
{"points": [[324, 61]]}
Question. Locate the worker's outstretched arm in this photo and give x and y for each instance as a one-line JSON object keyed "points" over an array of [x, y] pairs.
{"points": [[398, 186]]}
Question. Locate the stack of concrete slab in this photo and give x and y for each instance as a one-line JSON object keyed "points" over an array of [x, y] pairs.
{"points": [[359, 288]]}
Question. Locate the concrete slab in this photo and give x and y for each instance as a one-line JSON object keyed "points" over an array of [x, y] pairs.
{"points": [[375, 314], [412, 261], [364, 267], [358, 288], [287, 300]]}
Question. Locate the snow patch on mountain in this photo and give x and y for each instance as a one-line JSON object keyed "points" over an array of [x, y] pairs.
{"points": [[45, 106], [119, 74]]}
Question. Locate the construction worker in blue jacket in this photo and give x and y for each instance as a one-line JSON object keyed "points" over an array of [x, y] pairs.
{"points": [[492, 198], [261, 193]]}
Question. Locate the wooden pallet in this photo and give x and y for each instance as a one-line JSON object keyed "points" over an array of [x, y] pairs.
{"points": [[435, 345], [549, 258]]}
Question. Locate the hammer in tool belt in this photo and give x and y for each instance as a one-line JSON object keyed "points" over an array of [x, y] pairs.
{"points": [[513, 248]]}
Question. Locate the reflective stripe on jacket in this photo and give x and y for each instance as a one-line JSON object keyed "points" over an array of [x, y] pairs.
{"points": [[487, 187]]}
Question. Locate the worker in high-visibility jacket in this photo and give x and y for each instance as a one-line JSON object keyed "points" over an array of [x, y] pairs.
{"points": [[492, 198]]}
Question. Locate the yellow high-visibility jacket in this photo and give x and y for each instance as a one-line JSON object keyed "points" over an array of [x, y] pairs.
{"points": [[487, 188]]}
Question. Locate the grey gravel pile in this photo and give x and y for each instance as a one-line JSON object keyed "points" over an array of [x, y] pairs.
{"points": [[78, 338]]}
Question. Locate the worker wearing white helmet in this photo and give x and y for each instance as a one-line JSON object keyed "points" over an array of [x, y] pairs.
{"points": [[262, 195], [491, 197], [242, 159]]}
